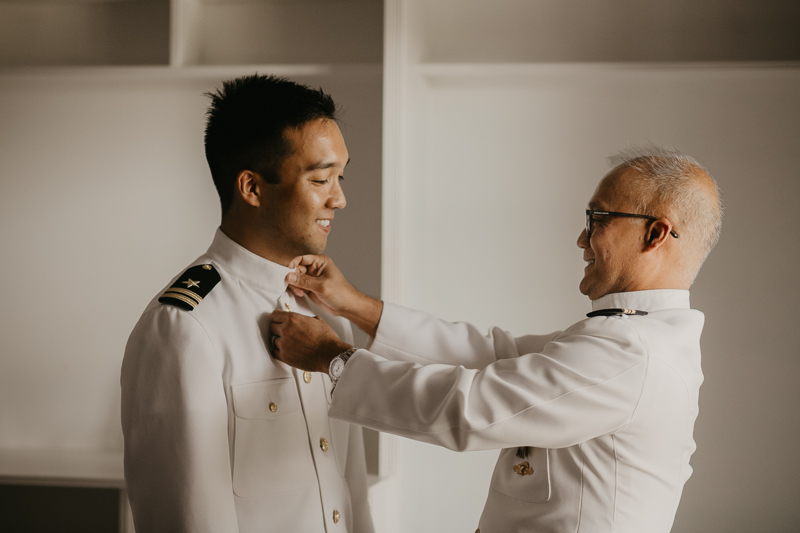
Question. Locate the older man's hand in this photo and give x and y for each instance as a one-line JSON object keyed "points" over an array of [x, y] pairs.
{"points": [[318, 277], [304, 342]]}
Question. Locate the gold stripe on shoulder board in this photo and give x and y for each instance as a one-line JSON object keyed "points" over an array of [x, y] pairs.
{"points": [[181, 297], [187, 292]]}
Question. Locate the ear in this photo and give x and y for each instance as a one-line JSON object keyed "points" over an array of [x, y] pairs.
{"points": [[249, 187], [658, 233]]}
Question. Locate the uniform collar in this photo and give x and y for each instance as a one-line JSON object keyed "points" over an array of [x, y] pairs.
{"points": [[247, 266], [650, 301]]}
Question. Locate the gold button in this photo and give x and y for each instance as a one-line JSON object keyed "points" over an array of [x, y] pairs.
{"points": [[336, 516], [307, 377], [207, 267], [273, 406], [323, 443]]}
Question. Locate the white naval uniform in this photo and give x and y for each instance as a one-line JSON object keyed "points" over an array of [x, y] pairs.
{"points": [[608, 406], [219, 436]]}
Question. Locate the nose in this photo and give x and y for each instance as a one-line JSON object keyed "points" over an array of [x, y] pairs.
{"points": [[337, 200], [583, 241]]}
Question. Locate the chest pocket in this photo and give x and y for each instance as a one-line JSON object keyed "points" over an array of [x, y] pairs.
{"points": [[529, 483], [270, 442]]}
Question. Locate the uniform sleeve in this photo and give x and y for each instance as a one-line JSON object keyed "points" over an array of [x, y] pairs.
{"points": [[583, 384], [418, 337], [175, 424]]}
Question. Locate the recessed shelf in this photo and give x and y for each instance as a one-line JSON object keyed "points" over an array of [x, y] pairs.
{"points": [[521, 31], [214, 32], [179, 33], [83, 32]]}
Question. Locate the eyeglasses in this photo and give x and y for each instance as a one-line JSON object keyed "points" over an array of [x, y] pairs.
{"points": [[591, 212]]}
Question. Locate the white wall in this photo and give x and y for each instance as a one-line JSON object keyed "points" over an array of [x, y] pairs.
{"points": [[104, 196], [505, 158]]}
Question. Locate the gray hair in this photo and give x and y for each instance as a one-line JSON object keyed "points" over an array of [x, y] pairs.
{"points": [[667, 185]]}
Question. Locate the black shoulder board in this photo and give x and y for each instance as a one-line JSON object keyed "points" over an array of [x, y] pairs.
{"points": [[616, 312], [191, 287]]}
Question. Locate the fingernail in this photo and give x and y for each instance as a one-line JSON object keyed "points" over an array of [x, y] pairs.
{"points": [[291, 278]]}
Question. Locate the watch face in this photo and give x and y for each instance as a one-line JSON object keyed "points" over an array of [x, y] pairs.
{"points": [[336, 368]]}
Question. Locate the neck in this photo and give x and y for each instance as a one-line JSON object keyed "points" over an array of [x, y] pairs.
{"points": [[250, 240], [657, 281]]}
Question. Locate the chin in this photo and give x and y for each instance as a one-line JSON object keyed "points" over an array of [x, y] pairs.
{"points": [[314, 249], [584, 287]]}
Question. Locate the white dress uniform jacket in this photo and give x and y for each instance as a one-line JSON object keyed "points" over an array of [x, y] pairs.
{"points": [[608, 407], [219, 436]]}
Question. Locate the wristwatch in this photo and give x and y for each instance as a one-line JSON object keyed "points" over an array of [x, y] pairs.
{"points": [[336, 366]]}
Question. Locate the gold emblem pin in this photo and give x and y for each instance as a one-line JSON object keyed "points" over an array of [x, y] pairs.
{"points": [[191, 283], [523, 469]]}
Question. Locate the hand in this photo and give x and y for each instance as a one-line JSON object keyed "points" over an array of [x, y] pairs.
{"points": [[317, 276], [304, 342]]}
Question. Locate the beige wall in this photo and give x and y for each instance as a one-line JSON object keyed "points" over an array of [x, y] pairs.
{"points": [[508, 159]]}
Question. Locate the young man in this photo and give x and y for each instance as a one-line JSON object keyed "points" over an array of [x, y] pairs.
{"points": [[219, 436]]}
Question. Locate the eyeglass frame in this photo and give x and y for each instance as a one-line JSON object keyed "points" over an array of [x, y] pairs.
{"points": [[590, 212]]}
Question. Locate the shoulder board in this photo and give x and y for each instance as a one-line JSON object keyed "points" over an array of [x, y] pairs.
{"points": [[191, 287], [616, 312]]}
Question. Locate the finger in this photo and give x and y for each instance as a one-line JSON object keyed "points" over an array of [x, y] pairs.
{"points": [[297, 292], [307, 259], [279, 316], [305, 282], [295, 262], [275, 328], [301, 261]]}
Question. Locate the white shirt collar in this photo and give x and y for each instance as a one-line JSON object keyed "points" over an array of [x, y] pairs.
{"points": [[650, 301], [247, 266]]}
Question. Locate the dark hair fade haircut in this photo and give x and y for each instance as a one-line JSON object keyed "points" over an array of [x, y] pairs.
{"points": [[245, 124]]}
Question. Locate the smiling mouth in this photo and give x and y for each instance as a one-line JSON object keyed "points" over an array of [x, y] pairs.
{"points": [[324, 223], [589, 261]]}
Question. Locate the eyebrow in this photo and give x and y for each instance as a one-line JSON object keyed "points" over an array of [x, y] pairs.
{"points": [[322, 165]]}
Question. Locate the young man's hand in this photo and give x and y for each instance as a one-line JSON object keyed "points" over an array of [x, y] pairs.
{"points": [[304, 342]]}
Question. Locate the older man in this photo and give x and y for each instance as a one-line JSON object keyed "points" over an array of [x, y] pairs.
{"points": [[594, 422]]}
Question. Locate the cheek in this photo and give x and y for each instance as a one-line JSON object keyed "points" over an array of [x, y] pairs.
{"points": [[308, 202]]}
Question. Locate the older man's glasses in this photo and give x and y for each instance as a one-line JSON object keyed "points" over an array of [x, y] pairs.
{"points": [[590, 213]]}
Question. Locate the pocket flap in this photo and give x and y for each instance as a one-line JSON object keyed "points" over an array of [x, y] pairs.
{"points": [[267, 400]]}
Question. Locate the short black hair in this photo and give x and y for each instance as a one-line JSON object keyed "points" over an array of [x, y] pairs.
{"points": [[245, 124]]}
